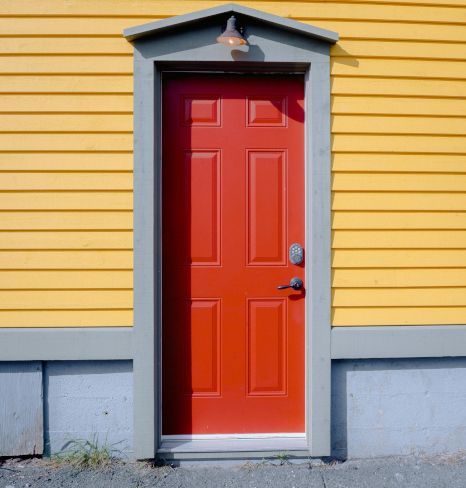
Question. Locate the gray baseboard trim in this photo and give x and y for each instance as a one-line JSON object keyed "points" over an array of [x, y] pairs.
{"points": [[72, 343], [398, 341]]}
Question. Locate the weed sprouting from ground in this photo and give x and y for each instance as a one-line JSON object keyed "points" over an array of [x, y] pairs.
{"points": [[283, 458], [88, 454]]}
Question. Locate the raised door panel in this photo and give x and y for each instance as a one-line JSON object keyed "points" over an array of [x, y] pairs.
{"points": [[266, 207], [266, 346], [201, 111], [203, 356], [266, 111], [202, 193]]}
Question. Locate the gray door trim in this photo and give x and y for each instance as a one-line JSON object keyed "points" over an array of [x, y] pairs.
{"points": [[271, 50], [162, 26]]}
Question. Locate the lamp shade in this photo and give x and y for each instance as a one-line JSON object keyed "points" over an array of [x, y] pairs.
{"points": [[231, 36]]}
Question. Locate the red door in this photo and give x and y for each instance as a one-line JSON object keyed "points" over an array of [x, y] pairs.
{"points": [[233, 203]]}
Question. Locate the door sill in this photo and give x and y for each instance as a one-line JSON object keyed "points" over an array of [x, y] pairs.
{"points": [[248, 445]]}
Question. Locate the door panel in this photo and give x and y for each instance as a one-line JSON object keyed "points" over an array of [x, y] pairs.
{"points": [[233, 202], [205, 347], [202, 177], [266, 207], [266, 348]]}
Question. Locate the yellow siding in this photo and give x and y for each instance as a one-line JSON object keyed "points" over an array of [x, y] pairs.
{"points": [[399, 158], [74, 85], [64, 279]]}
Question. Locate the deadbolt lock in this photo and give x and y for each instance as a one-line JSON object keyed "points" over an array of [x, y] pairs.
{"points": [[296, 253]]}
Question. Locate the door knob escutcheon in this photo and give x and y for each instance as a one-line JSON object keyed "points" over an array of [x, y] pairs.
{"points": [[295, 283]]}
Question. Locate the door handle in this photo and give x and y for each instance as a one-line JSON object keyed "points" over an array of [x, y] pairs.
{"points": [[295, 283]]}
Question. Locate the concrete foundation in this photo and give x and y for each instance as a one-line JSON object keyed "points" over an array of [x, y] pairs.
{"points": [[398, 407], [91, 400], [379, 407]]}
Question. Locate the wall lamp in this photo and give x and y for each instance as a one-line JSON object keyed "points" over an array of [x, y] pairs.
{"points": [[231, 36]]}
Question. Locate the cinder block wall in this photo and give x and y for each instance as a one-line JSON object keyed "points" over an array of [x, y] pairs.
{"points": [[379, 407], [398, 407], [88, 400]]}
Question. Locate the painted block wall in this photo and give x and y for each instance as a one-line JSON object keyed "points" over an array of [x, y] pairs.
{"points": [[398, 407], [379, 407], [88, 400], [398, 158], [45, 405]]}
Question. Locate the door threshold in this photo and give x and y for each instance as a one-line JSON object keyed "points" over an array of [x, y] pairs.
{"points": [[241, 445]]}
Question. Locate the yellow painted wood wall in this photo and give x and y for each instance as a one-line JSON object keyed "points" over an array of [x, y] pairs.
{"points": [[399, 158]]}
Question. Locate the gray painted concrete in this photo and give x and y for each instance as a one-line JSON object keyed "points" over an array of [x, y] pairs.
{"points": [[21, 421], [84, 399], [379, 407], [398, 407]]}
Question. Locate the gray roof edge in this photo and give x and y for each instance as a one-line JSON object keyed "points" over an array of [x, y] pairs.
{"points": [[152, 28]]}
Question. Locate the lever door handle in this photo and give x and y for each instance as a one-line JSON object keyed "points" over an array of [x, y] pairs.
{"points": [[295, 283]]}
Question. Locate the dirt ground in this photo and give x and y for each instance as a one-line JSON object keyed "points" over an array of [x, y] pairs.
{"points": [[381, 473]]}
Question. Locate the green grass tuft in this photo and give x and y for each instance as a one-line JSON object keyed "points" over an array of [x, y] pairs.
{"points": [[88, 454], [283, 458]]}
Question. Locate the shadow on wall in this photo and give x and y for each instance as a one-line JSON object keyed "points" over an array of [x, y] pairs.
{"points": [[341, 56], [383, 407]]}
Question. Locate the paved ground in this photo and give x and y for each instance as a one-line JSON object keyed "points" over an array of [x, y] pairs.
{"points": [[382, 473]]}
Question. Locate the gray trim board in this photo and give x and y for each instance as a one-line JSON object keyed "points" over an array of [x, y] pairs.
{"points": [[184, 21], [273, 47], [67, 343], [318, 236], [147, 257], [106, 343], [414, 341]]}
